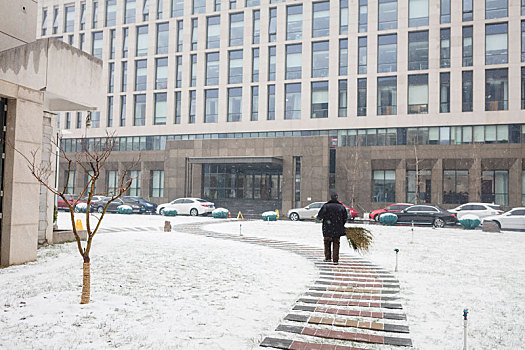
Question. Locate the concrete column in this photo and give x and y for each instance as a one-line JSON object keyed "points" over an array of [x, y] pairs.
{"points": [[437, 182], [144, 180], [196, 182], [474, 181], [288, 184], [515, 183], [401, 181]]}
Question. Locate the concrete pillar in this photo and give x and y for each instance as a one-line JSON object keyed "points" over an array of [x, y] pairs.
{"points": [[474, 181], [437, 182], [515, 182], [144, 180], [401, 181]]}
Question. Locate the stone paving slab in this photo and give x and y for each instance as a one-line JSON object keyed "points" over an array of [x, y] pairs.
{"points": [[300, 345], [346, 312], [342, 322], [350, 303]]}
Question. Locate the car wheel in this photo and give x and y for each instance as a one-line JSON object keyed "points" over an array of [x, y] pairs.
{"points": [[194, 212], [294, 217], [439, 223], [161, 212], [76, 210], [100, 210], [376, 217], [498, 223]]}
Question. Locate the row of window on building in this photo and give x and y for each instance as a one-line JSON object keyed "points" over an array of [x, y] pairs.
{"points": [[418, 13]]}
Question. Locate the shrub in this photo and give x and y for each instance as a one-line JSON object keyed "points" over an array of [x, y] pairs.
{"points": [[469, 221], [388, 219]]}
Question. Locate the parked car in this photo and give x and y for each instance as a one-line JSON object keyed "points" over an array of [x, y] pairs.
{"points": [[113, 206], [188, 206], [392, 208], [426, 214], [352, 213], [149, 207], [481, 210], [307, 212], [72, 199], [512, 220]]}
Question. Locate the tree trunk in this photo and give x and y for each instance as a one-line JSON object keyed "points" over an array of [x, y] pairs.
{"points": [[86, 283]]}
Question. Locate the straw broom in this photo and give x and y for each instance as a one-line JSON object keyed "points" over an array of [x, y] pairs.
{"points": [[359, 238]]}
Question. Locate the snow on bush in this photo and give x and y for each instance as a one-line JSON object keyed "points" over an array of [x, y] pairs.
{"points": [[388, 219], [124, 209], [220, 213], [81, 208], [169, 212], [469, 221], [269, 216]]}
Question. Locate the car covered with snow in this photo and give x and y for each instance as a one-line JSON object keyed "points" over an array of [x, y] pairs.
{"points": [[188, 206]]}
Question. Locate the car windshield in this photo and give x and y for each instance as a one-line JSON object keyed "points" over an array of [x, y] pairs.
{"points": [[201, 200]]}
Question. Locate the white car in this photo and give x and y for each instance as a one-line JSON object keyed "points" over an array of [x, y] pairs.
{"points": [[512, 220], [305, 213], [188, 206], [481, 210]]}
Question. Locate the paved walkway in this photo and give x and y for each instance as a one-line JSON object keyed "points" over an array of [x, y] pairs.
{"points": [[352, 304]]}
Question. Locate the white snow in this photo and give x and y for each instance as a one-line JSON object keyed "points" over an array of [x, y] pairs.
{"points": [[180, 291]]}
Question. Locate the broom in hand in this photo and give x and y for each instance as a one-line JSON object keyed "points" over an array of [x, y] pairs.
{"points": [[359, 238]]}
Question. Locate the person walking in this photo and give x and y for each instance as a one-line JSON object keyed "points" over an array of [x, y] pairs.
{"points": [[333, 215]]}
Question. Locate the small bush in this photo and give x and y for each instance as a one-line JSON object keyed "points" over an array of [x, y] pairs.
{"points": [[169, 212], [469, 221], [388, 219]]}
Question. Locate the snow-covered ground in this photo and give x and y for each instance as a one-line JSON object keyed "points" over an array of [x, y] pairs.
{"points": [[179, 291]]}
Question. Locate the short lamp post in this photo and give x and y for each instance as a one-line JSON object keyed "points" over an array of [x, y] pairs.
{"points": [[397, 252]]}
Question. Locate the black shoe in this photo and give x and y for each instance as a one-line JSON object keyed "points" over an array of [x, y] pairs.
{"points": [[327, 260], [336, 263]]}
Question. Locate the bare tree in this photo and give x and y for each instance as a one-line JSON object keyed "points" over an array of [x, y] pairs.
{"points": [[91, 160]]}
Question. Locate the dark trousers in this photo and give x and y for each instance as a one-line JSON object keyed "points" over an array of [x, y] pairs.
{"points": [[328, 248]]}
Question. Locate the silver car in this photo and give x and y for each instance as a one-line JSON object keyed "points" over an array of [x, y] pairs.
{"points": [[481, 210], [308, 212], [511, 220]]}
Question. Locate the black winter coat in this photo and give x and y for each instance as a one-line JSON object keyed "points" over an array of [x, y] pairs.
{"points": [[334, 216]]}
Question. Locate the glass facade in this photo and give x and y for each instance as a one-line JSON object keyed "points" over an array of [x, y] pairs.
{"points": [[383, 186], [292, 101]]}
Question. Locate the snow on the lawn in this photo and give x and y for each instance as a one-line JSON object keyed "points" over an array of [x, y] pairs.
{"points": [[441, 272], [150, 290]]}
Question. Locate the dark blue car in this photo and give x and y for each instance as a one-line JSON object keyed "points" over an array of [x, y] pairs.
{"points": [[149, 207]]}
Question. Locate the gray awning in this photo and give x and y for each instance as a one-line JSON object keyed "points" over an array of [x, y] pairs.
{"points": [[236, 160]]}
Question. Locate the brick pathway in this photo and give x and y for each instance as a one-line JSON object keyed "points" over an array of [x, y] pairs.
{"points": [[352, 304]]}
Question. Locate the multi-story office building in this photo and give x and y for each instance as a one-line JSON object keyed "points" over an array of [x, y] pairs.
{"points": [[272, 103]]}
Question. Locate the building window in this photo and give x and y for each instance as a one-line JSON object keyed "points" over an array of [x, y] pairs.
{"points": [[111, 43], [69, 23], [523, 7], [134, 188], [361, 97], [523, 41], [292, 101], [157, 183], [161, 73], [343, 17], [233, 4], [523, 88], [418, 13], [343, 57], [112, 182], [111, 13], [178, 70], [44, 22], [496, 43], [362, 53], [68, 120], [139, 119], [387, 17], [271, 102], [387, 53], [320, 99], [418, 94], [193, 59], [160, 108], [235, 67], [194, 33], [180, 35], [212, 68], [467, 46], [495, 187], [383, 186], [69, 175], [178, 110], [81, 41], [320, 59], [495, 9], [419, 184], [321, 19], [213, 40], [467, 91], [142, 41], [445, 11], [343, 98], [125, 33], [198, 6], [251, 3], [236, 29], [129, 11], [111, 77], [109, 112], [272, 53], [55, 20], [234, 104], [79, 120], [294, 22], [297, 181], [163, 36], [256, 27], [496, 90], [444, 55], [444, 92], [217, 5], [418, 50], [96, 48], [141, 75], [386, 95], [193, 106], [212, 106], [123, 110], [523, 187], [255, 104], [272, 25], [177, 8], [124, 76], [94, 21], [467, 11], [95, 120], [82, 16], [363, 16], [255, 65], [293, 61]]}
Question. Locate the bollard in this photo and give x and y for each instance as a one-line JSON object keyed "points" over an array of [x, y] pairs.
{"points": [[167, 226], [397, 251], [465, 313], [412, 241], [240, 229]]}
